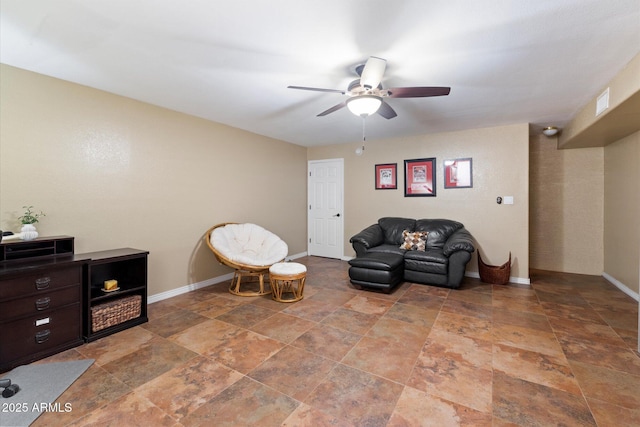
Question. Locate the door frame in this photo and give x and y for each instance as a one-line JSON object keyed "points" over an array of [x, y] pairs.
{"points": [[310, 193]]}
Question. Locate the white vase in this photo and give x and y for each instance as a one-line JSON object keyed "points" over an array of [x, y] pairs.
{"points": [[28, 232]]}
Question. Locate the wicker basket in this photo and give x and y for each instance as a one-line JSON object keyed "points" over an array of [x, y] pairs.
{"points": [[115, 312], [494, 274]]}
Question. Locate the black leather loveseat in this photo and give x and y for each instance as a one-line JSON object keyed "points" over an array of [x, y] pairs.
{"points": [[428, 251]]}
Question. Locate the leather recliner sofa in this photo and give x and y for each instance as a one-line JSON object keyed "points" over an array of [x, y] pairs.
{"points": [[426, 251]]}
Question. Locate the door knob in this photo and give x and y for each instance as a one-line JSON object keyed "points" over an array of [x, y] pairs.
{"points": [[337, 214]]}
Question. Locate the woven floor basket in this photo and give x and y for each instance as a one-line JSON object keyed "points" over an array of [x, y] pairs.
{"points": [[494, 274], [115, 312]]}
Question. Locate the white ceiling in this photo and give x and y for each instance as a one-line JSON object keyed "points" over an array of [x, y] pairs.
{"points": [[506, 61]]}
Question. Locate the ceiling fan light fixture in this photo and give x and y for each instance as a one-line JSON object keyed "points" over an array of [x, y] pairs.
{"points": [[550, 131], [364, 105]]}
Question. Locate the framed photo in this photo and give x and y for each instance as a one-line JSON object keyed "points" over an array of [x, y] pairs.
{"points": [[458, 173], [386, 176], [420, 177]]}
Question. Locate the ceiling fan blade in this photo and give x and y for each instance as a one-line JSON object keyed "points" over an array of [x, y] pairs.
{"points": [[373, 72], [317, 89], [418, 92], [334, 108], [386, 111]]}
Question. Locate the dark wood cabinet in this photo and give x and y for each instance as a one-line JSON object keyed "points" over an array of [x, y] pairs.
{"points": [[129, 267], [38, 248], [48, 296], [40, 309]]}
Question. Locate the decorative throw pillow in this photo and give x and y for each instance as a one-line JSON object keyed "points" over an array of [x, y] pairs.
{"points": [[414, 241]]}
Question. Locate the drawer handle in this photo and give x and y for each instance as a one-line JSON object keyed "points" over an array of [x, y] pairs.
{"points": [[43, 283], [42, 336], [43, 303]]}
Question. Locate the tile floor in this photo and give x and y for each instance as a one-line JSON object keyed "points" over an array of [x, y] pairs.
{"points": [[558, 352]]}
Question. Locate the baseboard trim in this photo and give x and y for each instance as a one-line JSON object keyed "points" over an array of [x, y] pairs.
{"points": [[203, 284], [618, 284]]}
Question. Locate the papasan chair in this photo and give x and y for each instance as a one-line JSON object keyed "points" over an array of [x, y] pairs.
{"points": [[250, 250]]}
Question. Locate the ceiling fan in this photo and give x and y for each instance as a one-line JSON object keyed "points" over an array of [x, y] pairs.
{"points": [[366, 95]]}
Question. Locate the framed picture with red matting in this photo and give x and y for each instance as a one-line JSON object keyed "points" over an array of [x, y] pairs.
{"points": [[387, 176], [458, 173], [420, 177]]}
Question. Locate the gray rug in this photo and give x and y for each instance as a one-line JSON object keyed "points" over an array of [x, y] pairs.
{"points": [[40, 385]]}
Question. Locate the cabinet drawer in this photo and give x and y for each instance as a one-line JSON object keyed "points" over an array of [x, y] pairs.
{"points": [[38, 334], [42, 282], [39, 303]]}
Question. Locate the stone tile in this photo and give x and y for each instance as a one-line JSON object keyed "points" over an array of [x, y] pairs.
{"points": [[472, 296], [563, 311], [618, 388], [417, 408], [522, 318], [358, 397], [182, 390], [455, 368], [421, 299], [395, 332], [368, 305], [235, 347], [306, 416], [327, 341], [117, 345], [160, 308], [529, 404], [244, 403], [384, 358], [174, 322], [128, 410], [94, 389], [551, 371], [600, 354], [467, 309], [520, 304], [153, 359], [283, 327], [608, 414], [352, 321], [187, 300], [310, 309], [333, 297], [246, 315], [218, 306], [473, 362], [587, 331], [468, 326], [412, 314], [293, 371], [527, 339]]}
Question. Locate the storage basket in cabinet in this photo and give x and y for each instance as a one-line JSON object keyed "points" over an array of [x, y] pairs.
{"points": [[115, 312]]}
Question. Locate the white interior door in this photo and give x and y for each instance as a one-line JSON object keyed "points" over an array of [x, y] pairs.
{"points": [[326, 200]]}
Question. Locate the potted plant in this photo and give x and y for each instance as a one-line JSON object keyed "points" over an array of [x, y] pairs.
{"points": [[28, 220]]}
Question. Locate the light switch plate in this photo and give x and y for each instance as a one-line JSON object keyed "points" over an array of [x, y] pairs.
{"points": [[508, 200]]}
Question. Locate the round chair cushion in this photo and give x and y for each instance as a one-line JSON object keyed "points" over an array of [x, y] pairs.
{"points": [[287, 269], [249, 244]]}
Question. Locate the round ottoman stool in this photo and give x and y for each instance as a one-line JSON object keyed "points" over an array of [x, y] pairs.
{"points": [[287, 281]]}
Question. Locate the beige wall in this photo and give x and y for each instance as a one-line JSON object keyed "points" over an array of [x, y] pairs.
{"points": [[567, 207], [114, 172], [500, 168], [622, 211]]}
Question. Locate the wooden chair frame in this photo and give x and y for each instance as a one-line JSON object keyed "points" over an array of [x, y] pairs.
{"points": [[252, 272]]}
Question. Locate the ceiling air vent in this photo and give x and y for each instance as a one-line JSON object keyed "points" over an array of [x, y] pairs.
{"points": [[602, 102]]}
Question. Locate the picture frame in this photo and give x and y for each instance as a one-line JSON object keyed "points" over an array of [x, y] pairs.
{"points": [[386, 176], [420, 177], [458, 173]]}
